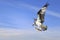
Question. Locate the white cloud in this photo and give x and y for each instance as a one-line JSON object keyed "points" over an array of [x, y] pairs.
{"points": [[37, 8], [19, 4], [26, 34], [13, 32], [53, 13]]}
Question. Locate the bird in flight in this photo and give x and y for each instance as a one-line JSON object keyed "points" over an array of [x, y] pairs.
{"points": [[38, 22]]}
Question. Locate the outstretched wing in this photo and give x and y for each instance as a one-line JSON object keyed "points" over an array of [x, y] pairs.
{"points": [[41, 12]]}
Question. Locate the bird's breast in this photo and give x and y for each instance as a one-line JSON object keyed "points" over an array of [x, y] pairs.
{"points": [[38, 23]]}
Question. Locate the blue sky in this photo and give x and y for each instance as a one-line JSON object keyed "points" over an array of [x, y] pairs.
{"points": [[16, 16]]}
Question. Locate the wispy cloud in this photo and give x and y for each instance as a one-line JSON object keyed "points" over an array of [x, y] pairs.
{"points": [[34, 8], [15, 34], [6, 32], [18, 4], [56, 14], [53, 13], [48, 11]]}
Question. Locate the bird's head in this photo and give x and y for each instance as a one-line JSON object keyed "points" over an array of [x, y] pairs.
{"points": [[46, 5]]}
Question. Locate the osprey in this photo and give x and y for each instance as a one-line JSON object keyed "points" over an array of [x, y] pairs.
{"points": [[38, 23]]}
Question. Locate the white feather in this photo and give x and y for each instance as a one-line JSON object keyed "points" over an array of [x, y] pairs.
{"points": [[43, 10], [38, 21]]}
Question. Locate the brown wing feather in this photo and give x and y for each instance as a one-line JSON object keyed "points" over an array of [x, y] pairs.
{"points": [[41, 16]]}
